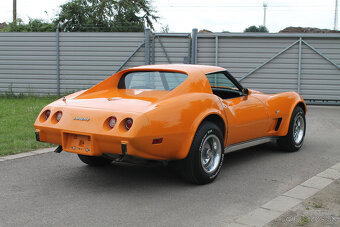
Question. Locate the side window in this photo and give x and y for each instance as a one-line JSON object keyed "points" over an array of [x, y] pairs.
{"points": [[222, 86], [220, 80]]}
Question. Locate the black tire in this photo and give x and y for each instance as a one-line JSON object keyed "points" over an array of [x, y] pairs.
{"points": [[94, 160], [288, 142], [192, 168]]}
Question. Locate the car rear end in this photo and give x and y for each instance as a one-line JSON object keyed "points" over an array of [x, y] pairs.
{"points": [[93, 132]]}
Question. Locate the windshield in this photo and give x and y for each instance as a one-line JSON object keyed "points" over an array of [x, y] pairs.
{"points": [[152, 80]]}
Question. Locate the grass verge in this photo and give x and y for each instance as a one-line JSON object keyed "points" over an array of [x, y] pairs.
{"points": [[17, 116]]}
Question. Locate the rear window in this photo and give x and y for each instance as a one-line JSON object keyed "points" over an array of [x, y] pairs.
{"points": [[152, 80]]}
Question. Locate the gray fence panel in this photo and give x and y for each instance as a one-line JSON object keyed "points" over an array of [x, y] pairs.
{"points": [[176, 48], [88, 58], [242, 53], [27, 62], [319, 77]]}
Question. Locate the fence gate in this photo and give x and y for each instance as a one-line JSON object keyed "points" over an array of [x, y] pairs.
{"points": [[271, 63]]}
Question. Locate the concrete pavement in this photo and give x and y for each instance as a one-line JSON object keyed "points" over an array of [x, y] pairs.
{"points": [[322, 209], [58, 190], [274, 212]]}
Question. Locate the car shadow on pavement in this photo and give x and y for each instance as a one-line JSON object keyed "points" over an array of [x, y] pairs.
{"points": [[123, 176], [244, 156], [129, 176]]}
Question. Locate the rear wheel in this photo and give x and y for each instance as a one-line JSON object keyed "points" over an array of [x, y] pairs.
{"points": [[94, 160], [205, 158], [296, 133]]}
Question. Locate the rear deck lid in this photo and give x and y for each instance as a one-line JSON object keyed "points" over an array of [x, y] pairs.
{"points": [[122, 100]]}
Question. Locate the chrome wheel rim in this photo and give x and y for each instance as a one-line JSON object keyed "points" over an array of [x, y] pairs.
{"points": [[211, 153], [298, 129]]}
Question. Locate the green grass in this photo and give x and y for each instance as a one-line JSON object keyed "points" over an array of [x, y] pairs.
{"points": [[304, 221], [317, 205], [17, 116]]}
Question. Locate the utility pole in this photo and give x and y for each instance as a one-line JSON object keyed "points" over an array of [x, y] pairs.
{"points": [[336, 16], [264, 13], [14, 12]]}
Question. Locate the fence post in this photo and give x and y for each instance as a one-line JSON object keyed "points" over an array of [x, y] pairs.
{"points": [[153, 48], [58, 61], [187, 59], [194, 46], [299, 65], [216, 50], [147, 46]]}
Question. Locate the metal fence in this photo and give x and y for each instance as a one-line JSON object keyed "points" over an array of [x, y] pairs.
{"points": [[272, 63], [56, 63]]}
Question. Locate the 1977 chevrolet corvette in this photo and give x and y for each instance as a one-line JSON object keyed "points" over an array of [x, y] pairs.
{"points": [[185, 114]]}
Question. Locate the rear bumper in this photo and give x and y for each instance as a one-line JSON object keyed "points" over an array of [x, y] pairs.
{"points": [[100, 144]]}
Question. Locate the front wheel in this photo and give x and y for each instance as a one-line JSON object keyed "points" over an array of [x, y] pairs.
{"points": [[205, 158], [296, 133], [94, 160]]}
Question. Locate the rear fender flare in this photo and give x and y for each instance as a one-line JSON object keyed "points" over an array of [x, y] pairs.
{"points": [[198, 121]]}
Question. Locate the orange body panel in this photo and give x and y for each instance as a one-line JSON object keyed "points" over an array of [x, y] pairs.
{"points": [[173, 116]]}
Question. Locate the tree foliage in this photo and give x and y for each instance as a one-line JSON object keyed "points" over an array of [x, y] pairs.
{"points": [[34, 25], [94, 16], [3, 25], [106, 15], [256, 29]]}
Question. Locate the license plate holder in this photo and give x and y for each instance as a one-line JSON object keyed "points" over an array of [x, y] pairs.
{"points": [[81, 144]]}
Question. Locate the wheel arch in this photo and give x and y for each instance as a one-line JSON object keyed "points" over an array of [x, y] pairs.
{"points": [[216, 117], [217, 120], [302, 105], [298, 103]]}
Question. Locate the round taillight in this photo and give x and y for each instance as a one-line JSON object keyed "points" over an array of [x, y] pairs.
{"points": [[128, 123], [112, 122], [58, 115], [47, 114]]}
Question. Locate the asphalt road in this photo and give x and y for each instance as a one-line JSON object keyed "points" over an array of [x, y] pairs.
{"points": [[59, 190]]}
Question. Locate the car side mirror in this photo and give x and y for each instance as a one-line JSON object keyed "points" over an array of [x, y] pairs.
{"points": [[245, 91]]}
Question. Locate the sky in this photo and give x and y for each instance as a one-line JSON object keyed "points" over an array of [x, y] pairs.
{"points": [[213, 15]]}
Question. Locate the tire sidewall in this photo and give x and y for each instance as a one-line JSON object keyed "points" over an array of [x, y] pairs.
{"points": [[299, 113], [209, 129], [290, 137]]}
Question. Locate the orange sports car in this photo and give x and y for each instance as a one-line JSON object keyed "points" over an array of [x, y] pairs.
{"points": [[187, 115]]}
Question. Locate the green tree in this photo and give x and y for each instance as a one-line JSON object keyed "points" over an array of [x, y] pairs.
{"points": [[34, 25], [256, 29], [106, 15]]}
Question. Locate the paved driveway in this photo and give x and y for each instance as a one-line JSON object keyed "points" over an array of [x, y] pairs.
{"points": [[57, 189]]}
